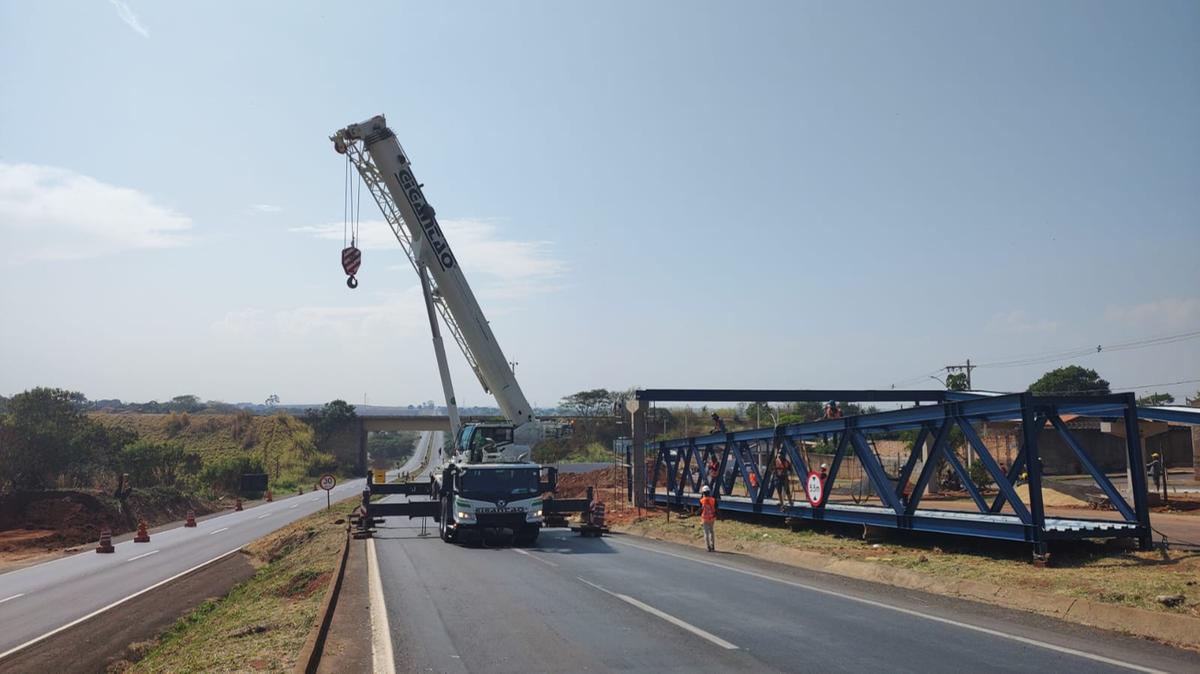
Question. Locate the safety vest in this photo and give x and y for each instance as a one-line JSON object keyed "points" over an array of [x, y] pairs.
{"points": [[708, 508]]}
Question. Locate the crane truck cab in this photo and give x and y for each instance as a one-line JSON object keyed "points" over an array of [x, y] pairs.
{"points": [[487, 485]]}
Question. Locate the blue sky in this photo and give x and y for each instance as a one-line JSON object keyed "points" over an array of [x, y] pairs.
{"points": [[743, 195]]}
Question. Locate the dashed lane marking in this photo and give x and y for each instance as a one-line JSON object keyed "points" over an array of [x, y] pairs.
{"points": [[664, 615], [219, 530], [15, 596], [144, 554], [98, 611], [532, 556], [946, 621]]}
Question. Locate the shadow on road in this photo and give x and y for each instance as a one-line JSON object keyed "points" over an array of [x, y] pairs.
{"points": [[563, 542]]}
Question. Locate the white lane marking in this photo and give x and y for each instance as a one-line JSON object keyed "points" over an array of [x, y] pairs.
{"points": [[382, 659], [12, 597], [116, 603], [144, 554], [532, 556], [219, 531], [906, 611], [293, 506], [262, 516], [665, 616]]}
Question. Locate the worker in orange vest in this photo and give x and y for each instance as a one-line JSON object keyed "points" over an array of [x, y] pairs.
{"points": [[708, 515], [783, 477]]}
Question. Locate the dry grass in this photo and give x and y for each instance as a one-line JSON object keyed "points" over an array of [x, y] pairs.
{"points": [[262, 623], [1099, 572]]}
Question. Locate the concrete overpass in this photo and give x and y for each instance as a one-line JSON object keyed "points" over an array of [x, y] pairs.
{"points": [[350, 445]]}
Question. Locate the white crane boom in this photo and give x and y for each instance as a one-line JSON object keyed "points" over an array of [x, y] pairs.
{"points": [[387, 173]]}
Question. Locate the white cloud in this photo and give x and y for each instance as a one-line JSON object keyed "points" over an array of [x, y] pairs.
{"points": [[125, 12], [50, 213], [1016, 321], [265, 208], [514, 268], [393, 315], [1171, 311]]}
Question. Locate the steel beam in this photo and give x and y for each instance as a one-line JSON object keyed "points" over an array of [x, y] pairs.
{"points": [[1002, 482], [1098, 475], [682, 395]]}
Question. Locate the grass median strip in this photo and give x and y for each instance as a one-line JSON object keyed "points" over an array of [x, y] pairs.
{"points": [[262, 624]]}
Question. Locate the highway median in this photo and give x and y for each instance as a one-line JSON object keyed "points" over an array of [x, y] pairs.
{"points": [[264, 622]]}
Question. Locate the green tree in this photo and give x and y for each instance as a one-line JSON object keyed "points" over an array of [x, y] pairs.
{"points": [[185, 403], [392, 445], [1070, 380], [152, 463], [956, 381], [1156, 399], [41, 437], [331, 418], [595, 402]]}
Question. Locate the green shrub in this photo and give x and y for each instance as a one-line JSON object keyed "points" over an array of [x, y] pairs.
{"points": [[979, 475], [225, 475]]}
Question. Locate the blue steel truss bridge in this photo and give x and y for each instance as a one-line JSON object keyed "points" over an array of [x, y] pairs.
{"points": [[679, 468]]}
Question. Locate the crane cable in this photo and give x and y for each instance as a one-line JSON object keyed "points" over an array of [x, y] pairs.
{"points": [[351, 211]]}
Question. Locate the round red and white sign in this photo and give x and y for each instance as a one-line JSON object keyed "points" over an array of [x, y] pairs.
{"points": [[814, 487], [327, 482]]}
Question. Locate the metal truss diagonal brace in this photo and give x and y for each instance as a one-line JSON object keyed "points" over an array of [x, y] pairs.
{"points": [[1002, 481], [875, 472], [1098, 475]]}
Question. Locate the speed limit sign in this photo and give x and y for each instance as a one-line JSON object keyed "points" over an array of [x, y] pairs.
{"points": [[327, 483], [814, 487]]}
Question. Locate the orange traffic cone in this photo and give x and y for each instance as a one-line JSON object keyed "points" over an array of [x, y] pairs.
{"points": [[269, 499], [105, 544], [142, 536], [191, 519], [238, 505]]}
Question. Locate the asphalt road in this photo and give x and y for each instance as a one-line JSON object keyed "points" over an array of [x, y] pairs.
{"points": [[627, 604], [39, 600]]}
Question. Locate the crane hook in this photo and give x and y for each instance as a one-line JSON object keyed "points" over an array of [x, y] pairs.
{"points": [[351, 260]]}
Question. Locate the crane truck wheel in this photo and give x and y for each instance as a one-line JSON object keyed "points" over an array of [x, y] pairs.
{"points": [[447, 534]]}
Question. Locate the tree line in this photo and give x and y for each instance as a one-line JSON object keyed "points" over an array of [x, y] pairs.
{"points": [[48, 440]]}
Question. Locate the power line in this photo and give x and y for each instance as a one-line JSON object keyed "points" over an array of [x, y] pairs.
{"points": [[1120, 388], [1067, 354], [1091, 350]]}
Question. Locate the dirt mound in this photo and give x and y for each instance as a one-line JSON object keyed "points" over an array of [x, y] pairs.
{"points": [[1052, 497], [574, 485], [41, 521], [609, 486]]}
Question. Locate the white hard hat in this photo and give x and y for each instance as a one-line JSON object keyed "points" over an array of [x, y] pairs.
{"points": [[704, 489]]}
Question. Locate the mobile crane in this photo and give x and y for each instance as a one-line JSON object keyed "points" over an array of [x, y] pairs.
{"points": [[486, 480]]}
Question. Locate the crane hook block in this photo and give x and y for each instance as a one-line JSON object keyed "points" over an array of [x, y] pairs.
{"points": [[351, 260]]}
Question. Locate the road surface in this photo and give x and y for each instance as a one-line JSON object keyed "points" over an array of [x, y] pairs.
{"points": [[40, 600], [628, 604]]}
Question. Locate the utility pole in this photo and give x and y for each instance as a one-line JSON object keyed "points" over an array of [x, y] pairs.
{"points": [[950, 369]]}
